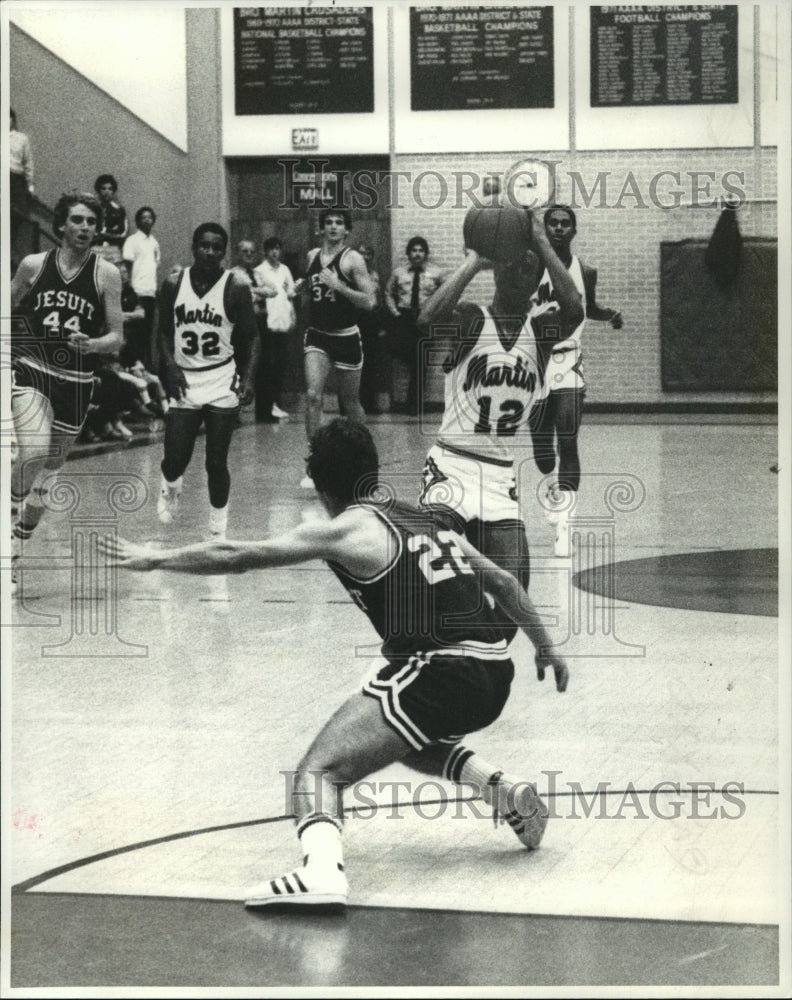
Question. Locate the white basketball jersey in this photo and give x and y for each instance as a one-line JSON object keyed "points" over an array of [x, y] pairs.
{"points": [[544, 298], [201, 328], [490, 393]]}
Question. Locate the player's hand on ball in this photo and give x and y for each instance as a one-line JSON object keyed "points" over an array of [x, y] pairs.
{"points": [[125, 554], [547, 658]]}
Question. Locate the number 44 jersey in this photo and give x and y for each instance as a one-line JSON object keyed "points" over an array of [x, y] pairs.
{"points": [[491, 389], [429, 598]]}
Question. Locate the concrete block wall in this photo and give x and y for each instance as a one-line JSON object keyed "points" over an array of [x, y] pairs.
{"points": [[619, 233]]}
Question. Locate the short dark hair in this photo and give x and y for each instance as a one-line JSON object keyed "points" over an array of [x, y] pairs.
{"points": [[210, 227], [105, 179], [140, 211], [345, 214], [13, 114], [271, 243], [67, 201], [561, 208], [418, 241], [343, 460]]}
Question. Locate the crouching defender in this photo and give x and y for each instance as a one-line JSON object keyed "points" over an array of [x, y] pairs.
{"points": [[445, 672]]}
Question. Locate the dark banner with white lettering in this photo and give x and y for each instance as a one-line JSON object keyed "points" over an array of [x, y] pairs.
{"points": [[303, 60], [663, 55], [481, 57]]}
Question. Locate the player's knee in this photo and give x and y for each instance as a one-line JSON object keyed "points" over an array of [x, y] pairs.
{"points": [[313, 396], [545, 461]]}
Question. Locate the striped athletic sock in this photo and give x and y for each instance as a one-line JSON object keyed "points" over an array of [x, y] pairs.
{"points": [[464, 767], [320, 837]]}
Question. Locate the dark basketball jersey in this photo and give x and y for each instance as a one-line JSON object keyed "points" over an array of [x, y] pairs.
{"points": [[429, 598], [53, 309], [329, 311]]}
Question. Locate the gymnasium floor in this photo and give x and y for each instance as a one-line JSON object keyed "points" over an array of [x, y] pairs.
{"points": [[150, 716]]}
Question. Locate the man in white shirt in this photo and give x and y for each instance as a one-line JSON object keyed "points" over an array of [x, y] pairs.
{"points": [[142, 253], [281, 319]]}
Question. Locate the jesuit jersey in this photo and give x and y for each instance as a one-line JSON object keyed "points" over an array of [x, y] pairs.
{"points": [[201, 327], [428, 598], [54, 308], [329, 311], [491, 390]]}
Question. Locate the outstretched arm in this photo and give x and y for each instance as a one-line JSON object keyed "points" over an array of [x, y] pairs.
{"points": [[517, 604], [593, 309], [314, 540]]}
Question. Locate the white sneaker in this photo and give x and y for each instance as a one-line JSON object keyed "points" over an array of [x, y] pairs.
{"points": [[278, 412], [168, 502], [524, 810], [218, 522], [307, 483], [121, 428], [555, 501], [305, 887], [561, 547]]}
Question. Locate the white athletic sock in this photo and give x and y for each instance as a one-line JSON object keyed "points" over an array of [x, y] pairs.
{"points": [[218, 520], [320, 837], [175, 485], [464, 767]]}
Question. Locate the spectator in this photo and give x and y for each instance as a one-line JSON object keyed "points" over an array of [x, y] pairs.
{"points": [[406, 292], [142, 252], [245, 269], [374, 380], [281, 321], [20, 161], [110, 238], [132, 312]]}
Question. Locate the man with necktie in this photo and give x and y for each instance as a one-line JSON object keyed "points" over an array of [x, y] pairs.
{"points": [[405, 294]]}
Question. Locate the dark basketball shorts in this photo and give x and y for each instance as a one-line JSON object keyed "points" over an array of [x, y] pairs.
{"points": [[68, 397], [344, 348], [439, 697]]}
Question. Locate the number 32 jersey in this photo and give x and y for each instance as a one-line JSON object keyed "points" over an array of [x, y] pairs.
{"points": [[201, 326], [491, 390], [429, 598]]}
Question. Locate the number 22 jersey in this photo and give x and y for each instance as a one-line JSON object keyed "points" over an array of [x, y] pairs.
{"points": [[429, 598]]}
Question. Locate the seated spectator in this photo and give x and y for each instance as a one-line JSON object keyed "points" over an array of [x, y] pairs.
{"points": [[281, 321], [409, 287], [115, 226], [134, 318], [142, 252]]}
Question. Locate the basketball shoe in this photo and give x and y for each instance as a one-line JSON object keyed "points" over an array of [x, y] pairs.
{"points": [[312, 885], [218, 522], [168, 502], [523, 809]]}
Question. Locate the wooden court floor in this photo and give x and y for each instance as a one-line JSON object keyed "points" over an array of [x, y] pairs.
{"points": [[148, 719]]}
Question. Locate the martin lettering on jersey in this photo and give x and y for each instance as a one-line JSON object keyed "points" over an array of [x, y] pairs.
{"points": [[184, 316], [481, 373], [52, 298], [545, 293]]}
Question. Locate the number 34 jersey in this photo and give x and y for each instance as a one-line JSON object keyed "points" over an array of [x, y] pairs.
{"points": [[201, 327], [429, 598], [491, 390]]}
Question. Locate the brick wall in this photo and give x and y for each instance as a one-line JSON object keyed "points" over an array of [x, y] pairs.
{"points": [[621, 238]]}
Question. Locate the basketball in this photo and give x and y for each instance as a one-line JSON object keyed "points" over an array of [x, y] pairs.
{"points": [[530, 184], [498, 232]]}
